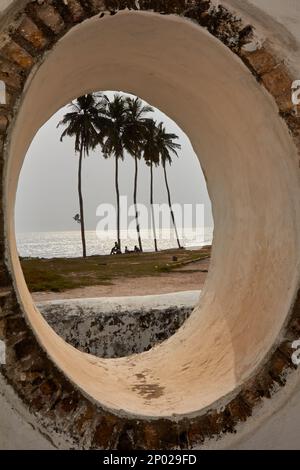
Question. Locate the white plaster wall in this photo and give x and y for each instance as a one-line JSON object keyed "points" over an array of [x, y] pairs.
{"points": [[278, 20], [18, 430], [4, 4]]}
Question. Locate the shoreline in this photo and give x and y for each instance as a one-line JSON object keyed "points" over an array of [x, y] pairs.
{"points": [[145, 252]]}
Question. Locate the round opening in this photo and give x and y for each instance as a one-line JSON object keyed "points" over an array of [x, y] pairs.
{"points": [[248, 160], [105, 301]]}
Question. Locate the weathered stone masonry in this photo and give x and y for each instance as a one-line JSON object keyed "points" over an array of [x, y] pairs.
{"points": [[57, 403], [115, 333]]}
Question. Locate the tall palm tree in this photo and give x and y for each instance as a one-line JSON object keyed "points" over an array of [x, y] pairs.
{"points": [[82, 123], [151, 157], [134, 138], [114, 118], [166, 147]]}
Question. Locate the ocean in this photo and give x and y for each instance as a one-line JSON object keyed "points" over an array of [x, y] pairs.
{"points": [[68, 244]]}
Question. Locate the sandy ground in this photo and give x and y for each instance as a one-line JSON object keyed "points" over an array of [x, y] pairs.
{"points": [[189, 278]]}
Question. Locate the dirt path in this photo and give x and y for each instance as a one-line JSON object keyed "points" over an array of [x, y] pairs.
{"points": [[190, 277]]}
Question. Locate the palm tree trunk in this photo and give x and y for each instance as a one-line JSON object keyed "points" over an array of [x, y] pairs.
{"points": [[135, 204], [81, 202], [170, 205], [152, 208], [118, 201]]}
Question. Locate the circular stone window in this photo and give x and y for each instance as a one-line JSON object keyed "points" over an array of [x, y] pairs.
{"points": [[104, 305], [161, 398]]}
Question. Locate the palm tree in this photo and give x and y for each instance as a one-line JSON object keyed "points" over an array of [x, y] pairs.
{"points": [[166, 146], [151, 157], [112, 126], [82, 123], [134, 138]]}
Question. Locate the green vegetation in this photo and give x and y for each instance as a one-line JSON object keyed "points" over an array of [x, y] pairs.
{"points": [[59, 274]]}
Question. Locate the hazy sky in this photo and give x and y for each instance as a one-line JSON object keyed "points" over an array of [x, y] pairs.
{"points": [[47, 196]]}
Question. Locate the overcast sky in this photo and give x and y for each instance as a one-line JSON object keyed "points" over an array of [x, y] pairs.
{"points": [[47, 196]]}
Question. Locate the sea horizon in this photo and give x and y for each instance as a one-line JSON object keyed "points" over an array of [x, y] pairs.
{"points": [[67, 243]]}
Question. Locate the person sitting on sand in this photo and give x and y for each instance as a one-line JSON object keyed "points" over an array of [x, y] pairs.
{"points": [[126, 250], [136, 249], [115, 249]]}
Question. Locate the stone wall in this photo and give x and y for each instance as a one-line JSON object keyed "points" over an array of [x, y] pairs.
{"points": [[114, 332]]}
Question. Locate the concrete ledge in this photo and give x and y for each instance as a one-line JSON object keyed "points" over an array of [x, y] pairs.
{"points": [[119, 326], [111, 305]]}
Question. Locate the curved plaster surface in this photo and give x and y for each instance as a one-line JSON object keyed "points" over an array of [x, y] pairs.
{"points": [[250, 164]]}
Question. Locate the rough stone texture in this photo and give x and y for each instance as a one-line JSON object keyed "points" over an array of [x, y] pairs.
{"points": [[114, 334], [29, 31], [11, 74], [76, 11], [32, 374], [48, 15], [261, 60], [15, 53], [279, 83]]}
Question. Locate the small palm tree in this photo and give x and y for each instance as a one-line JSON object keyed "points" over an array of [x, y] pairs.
{"points": [[82, 123], [134, 138], [151, 157], [165, 147]]}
